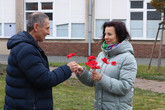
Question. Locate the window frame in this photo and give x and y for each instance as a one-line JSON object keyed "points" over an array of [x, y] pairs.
{"points": [[3, 22], [54, 27], [96, 29], [82, 29], [144, 10]]}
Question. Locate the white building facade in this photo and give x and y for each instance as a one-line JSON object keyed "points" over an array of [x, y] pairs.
{"points": [[72, 22]]}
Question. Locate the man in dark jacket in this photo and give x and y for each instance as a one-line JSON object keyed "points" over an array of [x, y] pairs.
{"points": [[29, 81]]}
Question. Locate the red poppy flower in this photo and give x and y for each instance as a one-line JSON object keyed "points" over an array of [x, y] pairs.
{"points": [[92, 63], [70, 55], [105, 60], [91, 58], [113, 63], [96, 67]]}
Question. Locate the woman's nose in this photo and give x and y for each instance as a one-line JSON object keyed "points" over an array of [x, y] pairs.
{"points": [[106, 36]]}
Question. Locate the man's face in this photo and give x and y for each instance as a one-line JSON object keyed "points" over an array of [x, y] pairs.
{"points": [[43, 31]]}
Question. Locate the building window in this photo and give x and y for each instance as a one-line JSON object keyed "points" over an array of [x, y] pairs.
{"points": [[153, 19], [65, 21], [98, 27], [62, 30], [31, 6], [9, 29], [136, 24], [144, 20], [47, 6], [78, 30], [136, 4]]}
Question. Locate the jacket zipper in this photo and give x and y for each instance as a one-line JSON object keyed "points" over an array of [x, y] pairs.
{"points": [[34, 103]]}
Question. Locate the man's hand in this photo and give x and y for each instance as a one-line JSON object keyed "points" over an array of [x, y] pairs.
{"points": [[73, 66]]}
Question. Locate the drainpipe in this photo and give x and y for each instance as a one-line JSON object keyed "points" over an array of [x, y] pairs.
{"points": [[90, 27]]}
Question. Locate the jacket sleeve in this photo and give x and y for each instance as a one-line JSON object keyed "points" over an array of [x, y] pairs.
{"points": [[126, 80], [32, 66], [85, 77]]}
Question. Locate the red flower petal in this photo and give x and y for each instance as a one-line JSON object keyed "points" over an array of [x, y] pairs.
{"points": [[70, 55], [91, 58], [105, 60], [97, 67], [92, 64], [113, 63]]}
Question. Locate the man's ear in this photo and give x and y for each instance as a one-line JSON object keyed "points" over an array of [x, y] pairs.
{"points": [[36, 26]]}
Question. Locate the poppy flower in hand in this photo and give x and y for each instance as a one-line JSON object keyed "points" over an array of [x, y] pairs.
{"points": [[91, 58], [113, 63], [70, 55], [105, 60], [96, 67], [92, 63]]}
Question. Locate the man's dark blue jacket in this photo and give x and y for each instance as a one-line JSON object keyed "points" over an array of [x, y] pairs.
{"points": [[29, 81]]}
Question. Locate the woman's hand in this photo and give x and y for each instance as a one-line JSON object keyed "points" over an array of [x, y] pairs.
{"points": [[96, 76], [79, 70]]}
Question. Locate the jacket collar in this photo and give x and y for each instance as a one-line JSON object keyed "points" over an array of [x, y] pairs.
{"points": [[123, 47]]}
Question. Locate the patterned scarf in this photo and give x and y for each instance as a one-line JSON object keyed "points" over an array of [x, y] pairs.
{"points": [[109, 46]]}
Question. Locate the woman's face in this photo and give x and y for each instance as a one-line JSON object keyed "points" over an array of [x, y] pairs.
{"points": [[110, 35]]}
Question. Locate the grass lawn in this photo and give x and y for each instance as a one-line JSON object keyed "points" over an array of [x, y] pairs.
{"points": [[73, 95], [2, 90], [143, 72]]}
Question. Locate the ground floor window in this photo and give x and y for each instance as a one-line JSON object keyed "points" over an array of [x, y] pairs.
{"points": [[78, 30], [9, 29], [136, 24], [61, 26], [98, 27], [62, 30], [153, 20], [144, 20]]}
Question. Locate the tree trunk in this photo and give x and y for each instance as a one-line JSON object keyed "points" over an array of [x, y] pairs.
{"points": [[161, 42]]}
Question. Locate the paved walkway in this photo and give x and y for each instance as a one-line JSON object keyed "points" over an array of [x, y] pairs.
{"points": [[152, 85]]}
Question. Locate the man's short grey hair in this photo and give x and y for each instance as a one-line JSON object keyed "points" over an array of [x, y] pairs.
{"points": [[36, 17]]}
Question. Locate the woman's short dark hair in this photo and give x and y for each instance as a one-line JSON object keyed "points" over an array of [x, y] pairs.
{"points": [[120, 30]]}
